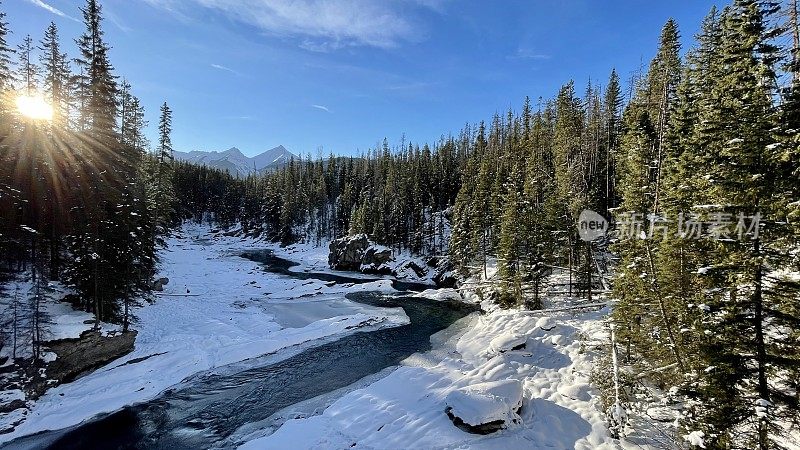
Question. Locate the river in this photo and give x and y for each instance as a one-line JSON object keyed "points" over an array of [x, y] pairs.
{"points": [[206, 409]]}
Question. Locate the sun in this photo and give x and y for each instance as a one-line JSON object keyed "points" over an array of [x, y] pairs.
{"points": [[34, 107]]}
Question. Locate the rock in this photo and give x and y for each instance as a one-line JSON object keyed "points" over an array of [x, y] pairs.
{"points": [[375, 260], [158, 285], [444, 274], [410, 269], [371, 269], [347, 253], [11, 406], [485, 407], [357, 253], [442, 295], [377, 255], [76, 357], [507, 342]]}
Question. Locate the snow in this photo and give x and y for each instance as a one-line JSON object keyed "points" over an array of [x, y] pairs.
{"points": [[234, 311], [440, 295], [507, 342], [762, 406], [406, 408], [483, 403], [58, 320], [217, 309], [68, 323], [696, 438]]}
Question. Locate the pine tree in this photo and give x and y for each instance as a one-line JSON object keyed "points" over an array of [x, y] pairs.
{"points": [[612, 105], [744, 352], [96, 84], [165, 160], [649, 318], [6, 75], [28, 71], [56, 75]]}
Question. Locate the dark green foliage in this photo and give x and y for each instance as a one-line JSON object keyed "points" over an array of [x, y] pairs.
{"points": [[78, 199]]}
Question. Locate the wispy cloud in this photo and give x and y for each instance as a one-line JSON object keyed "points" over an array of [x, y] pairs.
{"points": [[226, 69], [321, 107], [322, 25], [434, 5], [52, 9], [113, 18], [526, 53]]}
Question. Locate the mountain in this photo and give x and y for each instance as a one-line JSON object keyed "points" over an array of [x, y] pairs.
{"points": [[236, 163]]}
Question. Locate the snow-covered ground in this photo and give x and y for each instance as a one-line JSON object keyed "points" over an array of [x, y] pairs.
{"points": [[220, 309], [406, 409], [217, 309]]}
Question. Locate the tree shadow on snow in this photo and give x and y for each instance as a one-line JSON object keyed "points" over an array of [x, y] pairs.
{"points": [[552, 426]]}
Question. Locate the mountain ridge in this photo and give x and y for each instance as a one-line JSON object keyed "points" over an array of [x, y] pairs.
{"points": [[235, 162]]}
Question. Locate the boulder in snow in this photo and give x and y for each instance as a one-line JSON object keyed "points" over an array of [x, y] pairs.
{"points": [[411, 270], [376, 259], [485, 407], [442, 295], [575, 391], [347, 253], [507, 342], [158, 285]]}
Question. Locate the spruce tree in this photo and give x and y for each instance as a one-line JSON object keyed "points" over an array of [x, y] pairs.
{"points": [[647, 316], [56, 75], [96, 84], [28, 75], [6, 74], [745, 354], [612, 105]]}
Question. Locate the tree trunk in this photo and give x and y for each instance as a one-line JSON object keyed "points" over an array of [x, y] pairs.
{"points": [[663, 309], [761, 352], [589, 271]]}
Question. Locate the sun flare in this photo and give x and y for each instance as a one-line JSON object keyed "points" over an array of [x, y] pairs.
{"points": [[34, 107]]}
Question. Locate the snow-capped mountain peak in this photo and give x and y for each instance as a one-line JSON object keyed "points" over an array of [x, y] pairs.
{"points": [[235, 162]]}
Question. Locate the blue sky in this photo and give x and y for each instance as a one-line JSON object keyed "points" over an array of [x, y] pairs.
{"points": [[342, 75]]}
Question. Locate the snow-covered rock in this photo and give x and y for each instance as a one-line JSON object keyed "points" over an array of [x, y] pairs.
{"points": [[506, 342], [358, 253], [444, 274], [347, 253], [440, 295], [486, 407]]}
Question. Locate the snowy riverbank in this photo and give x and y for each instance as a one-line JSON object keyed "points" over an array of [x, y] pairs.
{"points": [[406, 409], [217, 309], [220, 309]]}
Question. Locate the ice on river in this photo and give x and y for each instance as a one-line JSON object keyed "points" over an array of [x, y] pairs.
{"points": [[551, 357], [217, 309]]}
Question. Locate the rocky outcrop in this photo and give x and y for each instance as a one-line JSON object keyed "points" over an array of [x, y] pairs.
{"points": [[358, 253], [444, 274], [76, 357], [348, 252], [377, 255]]}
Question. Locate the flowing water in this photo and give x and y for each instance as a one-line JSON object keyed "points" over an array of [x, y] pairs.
{"points": [[208, 408]]}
